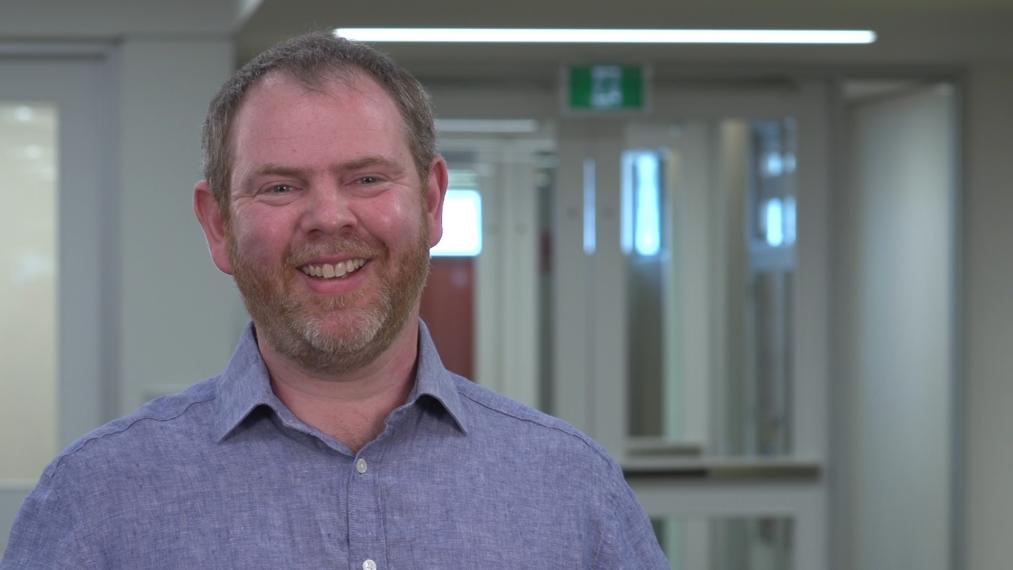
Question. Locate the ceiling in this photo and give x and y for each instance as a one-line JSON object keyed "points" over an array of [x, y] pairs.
{"points": [[911, 32]]}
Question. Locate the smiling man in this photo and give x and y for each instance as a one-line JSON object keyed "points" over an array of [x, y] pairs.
{"points": [[334, 438]]}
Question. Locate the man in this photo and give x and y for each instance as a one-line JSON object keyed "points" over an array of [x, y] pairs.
{"points": [[334, 438]]}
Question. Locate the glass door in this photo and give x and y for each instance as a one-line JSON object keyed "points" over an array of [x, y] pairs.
{"points": [[708, 212], [52, 140], [28, 154]]}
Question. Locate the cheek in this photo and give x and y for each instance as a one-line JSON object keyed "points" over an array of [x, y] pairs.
{"points": [[259, 242], [395, 222]]}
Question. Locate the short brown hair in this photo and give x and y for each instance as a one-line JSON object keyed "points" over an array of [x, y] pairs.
{"points": [[311, 59]]}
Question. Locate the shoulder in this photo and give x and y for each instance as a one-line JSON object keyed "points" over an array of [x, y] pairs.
{"points": [[576, 470], [513, 424], [184, 416], [93, 486]]}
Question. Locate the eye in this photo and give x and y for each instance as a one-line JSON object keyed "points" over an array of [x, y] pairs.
{"points": [[279, 189], [369, 179]]}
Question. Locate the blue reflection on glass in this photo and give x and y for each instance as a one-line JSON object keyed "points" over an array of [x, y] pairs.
{"points": [[775, 222], [641, 203], [648, 204]]}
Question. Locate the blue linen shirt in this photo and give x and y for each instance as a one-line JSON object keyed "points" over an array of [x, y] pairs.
{"points": [[223, 475]]}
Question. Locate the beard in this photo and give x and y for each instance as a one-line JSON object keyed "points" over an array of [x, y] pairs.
{"points": [[332, 335]]}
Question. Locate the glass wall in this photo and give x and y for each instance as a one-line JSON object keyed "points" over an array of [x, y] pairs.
{"points": [[28, 255]]}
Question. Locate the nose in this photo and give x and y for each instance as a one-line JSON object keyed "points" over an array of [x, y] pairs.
{"points": [[327, 211]]}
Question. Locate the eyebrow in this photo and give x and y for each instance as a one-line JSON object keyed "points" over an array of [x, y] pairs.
{"points": [[371, 161], [271, 169]]}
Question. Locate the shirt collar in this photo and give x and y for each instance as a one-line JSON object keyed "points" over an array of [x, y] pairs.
{"points": [[434, 380], [245, 384]]}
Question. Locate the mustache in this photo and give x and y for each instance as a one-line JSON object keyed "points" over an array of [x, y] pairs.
{"points": [[344, 247]]}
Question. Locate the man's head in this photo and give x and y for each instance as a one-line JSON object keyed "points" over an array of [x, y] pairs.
{"points": [[328, 196], [311, 59]]}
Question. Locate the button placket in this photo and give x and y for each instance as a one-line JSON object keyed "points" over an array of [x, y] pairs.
{"points": [[365, 529]]}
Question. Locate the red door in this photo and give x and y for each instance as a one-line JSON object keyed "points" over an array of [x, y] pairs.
{"points": [[448, 308]]}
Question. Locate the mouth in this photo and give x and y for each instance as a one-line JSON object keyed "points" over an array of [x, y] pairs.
{"points": [[339, 270]]}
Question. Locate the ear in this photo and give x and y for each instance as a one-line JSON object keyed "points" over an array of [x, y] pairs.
{"points": [[435, 192], [214, 224]]}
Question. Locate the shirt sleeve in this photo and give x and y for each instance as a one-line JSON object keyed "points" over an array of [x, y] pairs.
{"points": [[629, 541], [48, 529]]}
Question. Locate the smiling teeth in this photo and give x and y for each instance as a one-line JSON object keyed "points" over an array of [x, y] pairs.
{"points": [[333, 271]]}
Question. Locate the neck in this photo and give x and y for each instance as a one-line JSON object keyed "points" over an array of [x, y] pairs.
{"points": [[350, 407]]}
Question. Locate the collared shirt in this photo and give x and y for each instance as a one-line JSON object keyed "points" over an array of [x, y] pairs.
{"points": [[223, 475]]}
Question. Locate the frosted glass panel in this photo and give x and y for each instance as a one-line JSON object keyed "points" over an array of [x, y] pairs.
{"points": [[28, 159]]}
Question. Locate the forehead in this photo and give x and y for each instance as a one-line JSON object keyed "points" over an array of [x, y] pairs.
{"points": [[348, 105]]}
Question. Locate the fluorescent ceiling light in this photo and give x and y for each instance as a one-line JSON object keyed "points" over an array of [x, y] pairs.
{"points": [[602, 36]]}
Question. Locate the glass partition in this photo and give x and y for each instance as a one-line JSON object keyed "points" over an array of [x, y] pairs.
{"points": [[708, 235]]}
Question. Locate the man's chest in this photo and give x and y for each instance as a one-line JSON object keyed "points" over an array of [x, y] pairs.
{"points": [[340, 516]]}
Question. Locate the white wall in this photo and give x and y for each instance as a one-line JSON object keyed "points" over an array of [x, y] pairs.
{"points": [[178, 316], [988, 317], [896, 331]]}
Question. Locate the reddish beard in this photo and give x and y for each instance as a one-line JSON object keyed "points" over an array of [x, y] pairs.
{"points": [[332, 335]]}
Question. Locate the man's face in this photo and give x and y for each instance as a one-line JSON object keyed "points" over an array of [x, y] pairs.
{"points": [[330, 224]]}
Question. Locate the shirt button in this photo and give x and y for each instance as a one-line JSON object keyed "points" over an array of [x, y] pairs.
{"points": [[368, 564], [361, 467]]}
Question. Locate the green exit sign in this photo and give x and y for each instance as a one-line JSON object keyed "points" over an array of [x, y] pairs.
{"points": [[606, 88]]}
